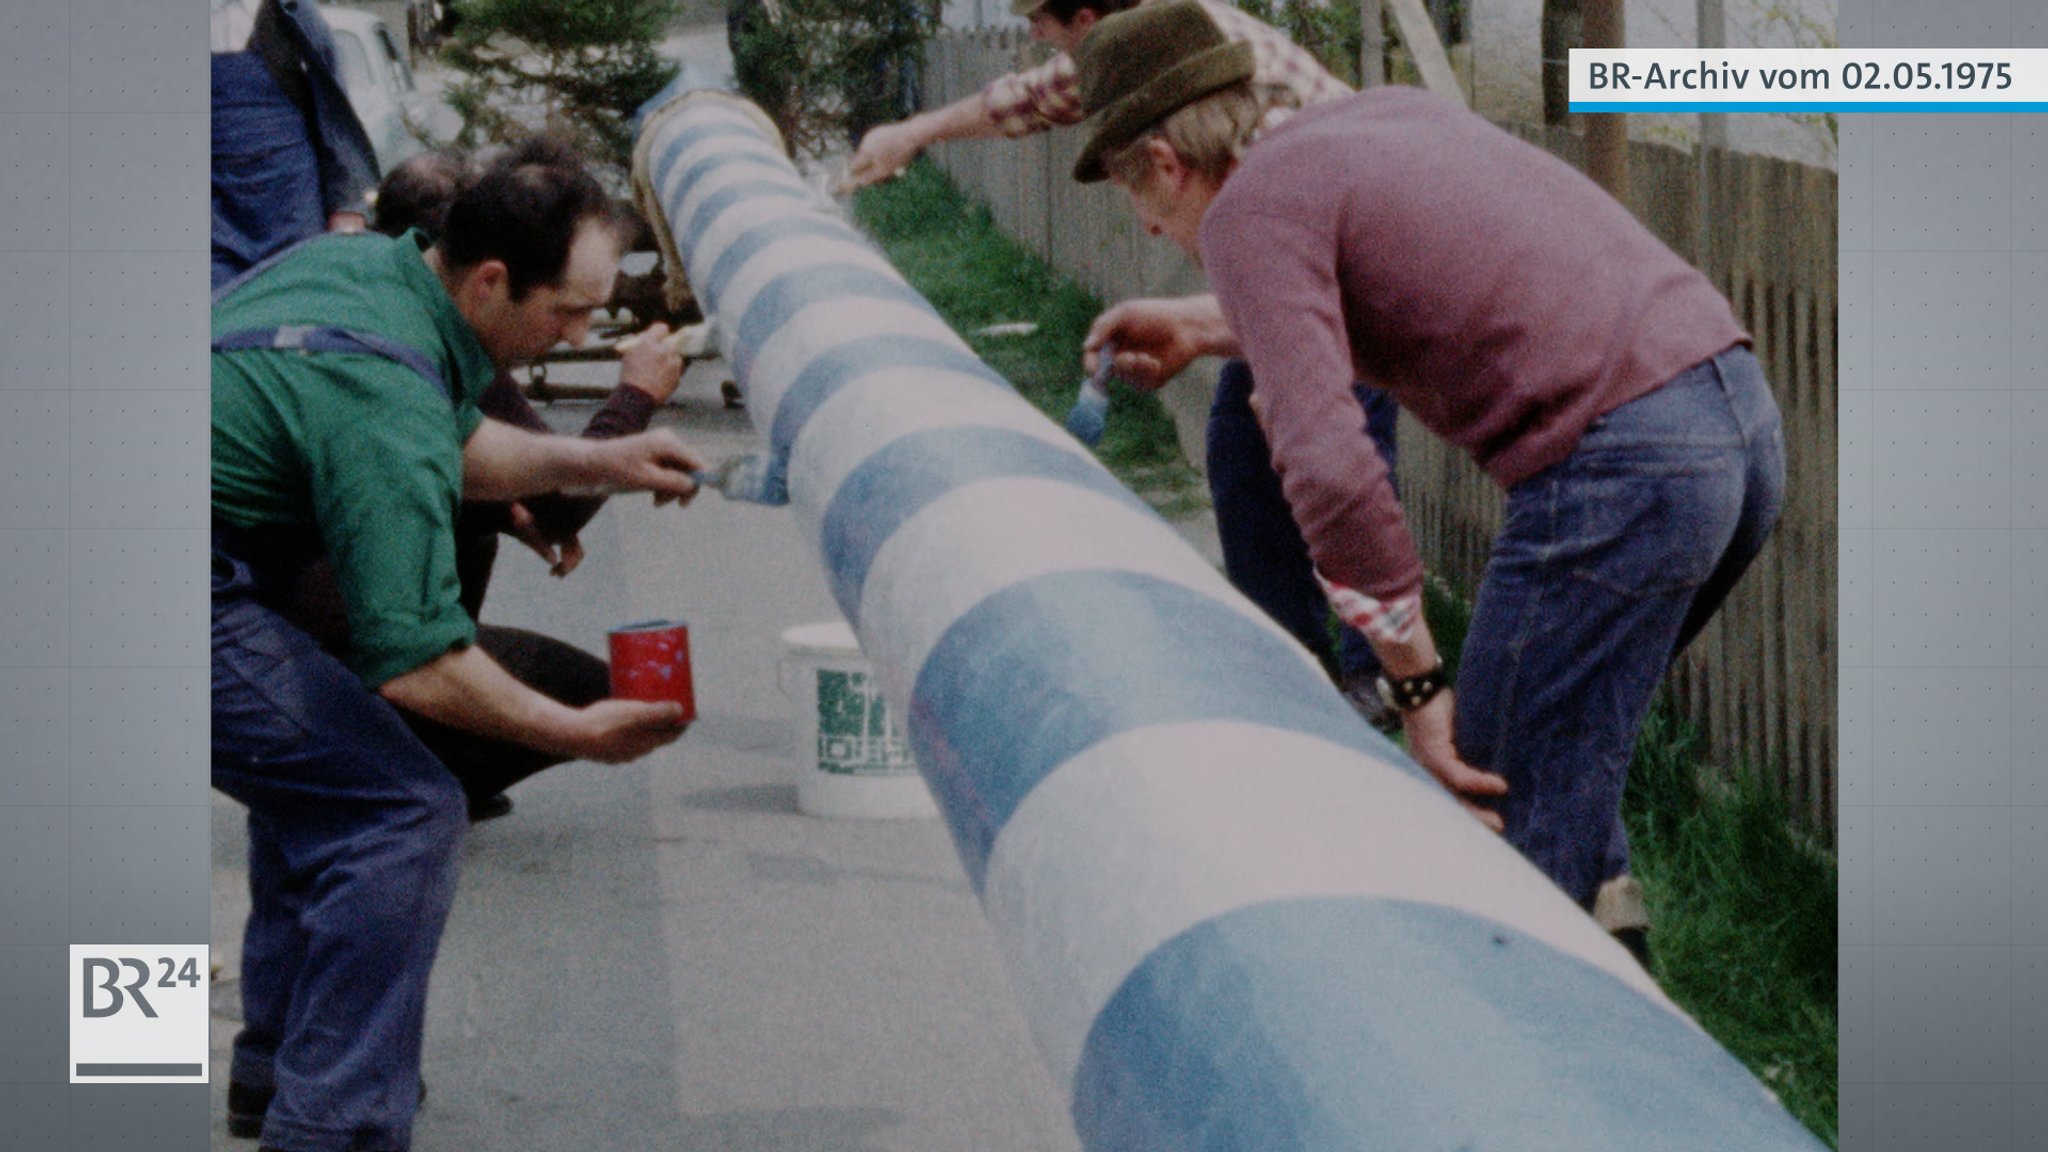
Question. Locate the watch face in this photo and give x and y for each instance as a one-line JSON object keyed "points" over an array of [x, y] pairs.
{"points": [[1386, 691]]}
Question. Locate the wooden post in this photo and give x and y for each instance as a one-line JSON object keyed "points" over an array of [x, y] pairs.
{"points": [[1606, 132], [1713, 33], [1372, 52], [1418, 33]]}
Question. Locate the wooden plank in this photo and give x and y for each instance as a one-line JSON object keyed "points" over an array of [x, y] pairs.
{"points": [[1772, 635], [1607, 147], [1372, 48], [1418, 32]]}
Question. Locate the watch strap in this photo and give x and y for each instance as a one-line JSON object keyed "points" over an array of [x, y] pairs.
{"points": [[1408, 693]]}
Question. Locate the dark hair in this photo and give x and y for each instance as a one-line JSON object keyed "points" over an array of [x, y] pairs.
{"points": [[417, 193], [1064, 11], [525, 210]]}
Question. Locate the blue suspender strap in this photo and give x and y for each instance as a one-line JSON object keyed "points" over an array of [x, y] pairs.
{"points": [[317, 338], [264, 265], [313, 338]]}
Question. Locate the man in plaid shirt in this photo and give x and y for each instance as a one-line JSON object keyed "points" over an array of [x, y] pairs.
{"points": [[1049, 96], [1263, 550]]}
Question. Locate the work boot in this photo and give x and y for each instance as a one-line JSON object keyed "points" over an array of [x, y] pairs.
{"points": [[248, 1104], [1620, 908], [1637, 941]]}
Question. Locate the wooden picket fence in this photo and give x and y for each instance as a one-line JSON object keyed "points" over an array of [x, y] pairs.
{"points": [[1761, 681]]}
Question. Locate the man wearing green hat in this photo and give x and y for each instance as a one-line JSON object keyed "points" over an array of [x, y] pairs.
{"points": [[1263, 552], [1047, 96], [1518, 312]]}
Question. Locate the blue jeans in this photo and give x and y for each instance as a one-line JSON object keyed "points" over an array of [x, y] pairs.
{"points": [[1607, 564], [354, 830], [1264, 554], [266, 178]]}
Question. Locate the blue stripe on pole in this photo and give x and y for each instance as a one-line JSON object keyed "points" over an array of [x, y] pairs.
{"points": [[713, 283], [762, 165], [680, 141], [793, 291], [896, 483], [706, 164], [835, 368], [738, 158], [832, 370], [1345, 1023], [1079, 657], [692, 230]]}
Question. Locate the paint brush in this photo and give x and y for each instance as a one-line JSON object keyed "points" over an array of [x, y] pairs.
{"points": [[1090, 414], [690, 339], [744, 478]]}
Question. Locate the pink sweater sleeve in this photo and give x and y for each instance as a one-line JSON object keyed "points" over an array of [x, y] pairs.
{"points": [[1276, 279]]}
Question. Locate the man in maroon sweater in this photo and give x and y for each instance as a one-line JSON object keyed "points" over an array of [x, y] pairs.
{"points": [[1518, 312]]}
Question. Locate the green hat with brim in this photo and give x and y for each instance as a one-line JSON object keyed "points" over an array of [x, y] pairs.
{"points": [[1026, 7], [1136, 68]]}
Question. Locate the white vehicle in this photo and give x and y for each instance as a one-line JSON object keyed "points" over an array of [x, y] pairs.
{"points": [[379, 83]]}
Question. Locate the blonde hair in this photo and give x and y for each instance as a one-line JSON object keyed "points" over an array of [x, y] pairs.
{"points": [[1210, 135]]}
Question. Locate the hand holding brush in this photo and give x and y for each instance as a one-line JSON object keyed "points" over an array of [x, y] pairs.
{"points": [[1090, 414]]}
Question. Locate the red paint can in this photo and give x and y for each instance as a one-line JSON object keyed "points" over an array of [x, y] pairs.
{"points": [[651, 661]]}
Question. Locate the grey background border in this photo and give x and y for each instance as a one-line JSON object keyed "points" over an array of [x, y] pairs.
{"points": [[1944, 648], [103, 429]]}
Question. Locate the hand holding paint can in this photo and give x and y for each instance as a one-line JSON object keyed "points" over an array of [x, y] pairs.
{"points": [[651, 661]]}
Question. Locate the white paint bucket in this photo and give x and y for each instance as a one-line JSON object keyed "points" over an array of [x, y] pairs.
{"points": [[852, 760]]}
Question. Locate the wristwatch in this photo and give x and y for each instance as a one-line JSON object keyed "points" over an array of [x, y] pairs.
{"points": [[1412, 692]]}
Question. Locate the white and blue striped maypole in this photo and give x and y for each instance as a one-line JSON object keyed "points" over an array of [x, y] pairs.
{"points": [[1237, 917]]}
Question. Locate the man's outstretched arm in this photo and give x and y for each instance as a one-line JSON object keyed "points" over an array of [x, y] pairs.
{"points": [[500, 462], [466, 689], [889, 148], [1034, 100]]}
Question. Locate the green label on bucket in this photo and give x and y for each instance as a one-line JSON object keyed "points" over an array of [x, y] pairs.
{"points": [[855, 736]]}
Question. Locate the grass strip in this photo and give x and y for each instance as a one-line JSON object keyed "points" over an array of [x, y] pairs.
{"points": [[1744, 913], [950, 250]]}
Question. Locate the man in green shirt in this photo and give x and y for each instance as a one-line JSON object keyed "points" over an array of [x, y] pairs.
{"points": [[345, 379]]}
